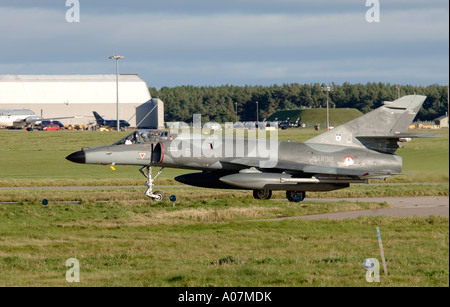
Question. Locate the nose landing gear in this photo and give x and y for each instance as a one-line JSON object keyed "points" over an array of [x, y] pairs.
{"points": [[147, 172]]}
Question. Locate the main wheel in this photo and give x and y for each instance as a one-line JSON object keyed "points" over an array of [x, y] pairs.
{"points": [[262, 194], [158, 196], [295, 196]]}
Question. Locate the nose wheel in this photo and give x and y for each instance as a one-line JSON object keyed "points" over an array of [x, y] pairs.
{"points": [[147, 172], [158, 196]]}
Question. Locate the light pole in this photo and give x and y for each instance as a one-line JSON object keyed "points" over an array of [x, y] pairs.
{"points": [[447, 100], [236, 111], [257, 115], [117, 58], [328, 90]]}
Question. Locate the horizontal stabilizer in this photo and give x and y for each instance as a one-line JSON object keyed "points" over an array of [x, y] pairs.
{"points": [[402, 135]]}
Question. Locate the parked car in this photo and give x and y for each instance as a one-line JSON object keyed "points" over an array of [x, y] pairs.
{"points": [[51, 127], [48, 122]]}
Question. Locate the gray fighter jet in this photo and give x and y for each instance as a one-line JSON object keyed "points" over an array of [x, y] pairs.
{"points": [[355, 152]]}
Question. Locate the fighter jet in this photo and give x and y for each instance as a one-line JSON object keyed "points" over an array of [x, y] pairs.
{"points": [[362, 149], [110, 123]]}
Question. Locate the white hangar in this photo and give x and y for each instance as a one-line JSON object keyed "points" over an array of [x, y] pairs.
{"points": [[71, 95]]}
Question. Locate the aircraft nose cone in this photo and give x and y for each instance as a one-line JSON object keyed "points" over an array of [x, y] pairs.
{"points": [[77, 157]]}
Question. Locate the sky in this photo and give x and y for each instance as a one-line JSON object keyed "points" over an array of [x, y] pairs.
{"points": [[236, 42]]}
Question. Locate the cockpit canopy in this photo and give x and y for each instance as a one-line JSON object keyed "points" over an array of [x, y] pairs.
{"points": [[143, 136]]}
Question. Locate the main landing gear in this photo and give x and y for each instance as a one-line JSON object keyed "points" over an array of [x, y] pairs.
{"points": [[262, 194], [295, 196], [147, 172], [292, 196]]}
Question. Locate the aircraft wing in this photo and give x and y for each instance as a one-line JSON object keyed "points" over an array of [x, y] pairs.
{"points": [[33, 119], [305, 168]]}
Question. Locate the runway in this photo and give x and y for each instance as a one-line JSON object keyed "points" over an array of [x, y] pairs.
{"points": [[179, 186], [421, 206], [399, 207]]}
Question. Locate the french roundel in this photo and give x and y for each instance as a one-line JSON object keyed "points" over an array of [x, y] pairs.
{"points": [[348, 160]]}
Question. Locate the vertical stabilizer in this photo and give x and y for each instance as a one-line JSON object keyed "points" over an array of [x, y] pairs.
{"points": [[98, 118], [386, 122]]}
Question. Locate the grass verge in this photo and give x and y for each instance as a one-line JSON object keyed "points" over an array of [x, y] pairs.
{"points": [[129, 244]]}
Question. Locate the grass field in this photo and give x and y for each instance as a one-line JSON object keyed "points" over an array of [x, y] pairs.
{"points": [[38, 159], [139, 245], [211, 237]]}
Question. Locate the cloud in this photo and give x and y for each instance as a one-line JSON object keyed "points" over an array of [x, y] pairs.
{"points": [[301, 71], [217, 32], [200, 7], [228, 42]]}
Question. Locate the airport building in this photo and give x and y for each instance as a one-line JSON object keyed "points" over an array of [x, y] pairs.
{"points": [[52, 96]]}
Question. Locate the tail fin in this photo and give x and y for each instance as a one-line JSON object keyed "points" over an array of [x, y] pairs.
{"points": [[382, 127], [98, 118]]}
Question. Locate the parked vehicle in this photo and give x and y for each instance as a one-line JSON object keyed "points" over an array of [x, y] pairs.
{"points": [[47, 122], [51, 127]]}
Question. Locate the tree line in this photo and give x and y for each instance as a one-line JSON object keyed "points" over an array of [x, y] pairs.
{"points": [[219, 103]]}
